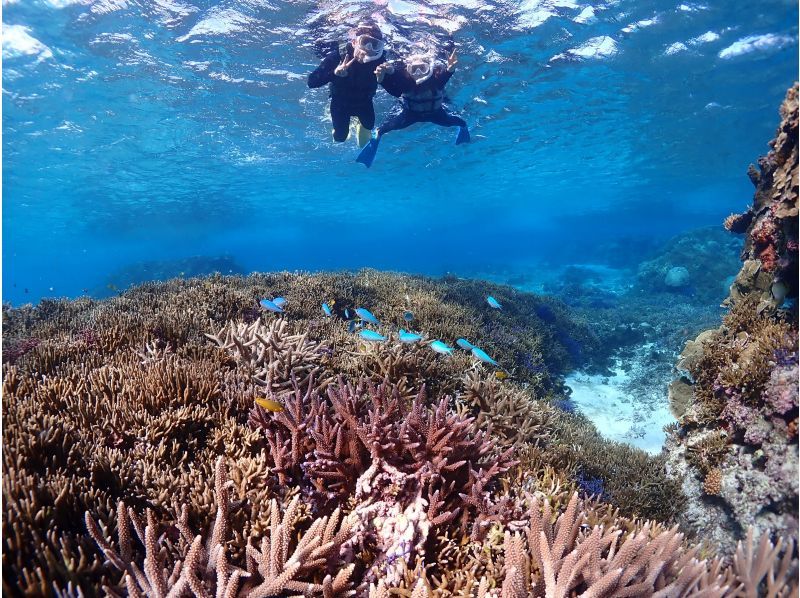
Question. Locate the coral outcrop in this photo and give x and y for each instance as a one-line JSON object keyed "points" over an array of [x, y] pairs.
{"points": [[736, 445], [697, 265]]}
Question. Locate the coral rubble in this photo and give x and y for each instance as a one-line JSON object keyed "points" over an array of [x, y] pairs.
{"points": [[736, 445]]}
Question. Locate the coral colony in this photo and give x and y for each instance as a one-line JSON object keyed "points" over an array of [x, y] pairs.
{"points": [[196, 438]]}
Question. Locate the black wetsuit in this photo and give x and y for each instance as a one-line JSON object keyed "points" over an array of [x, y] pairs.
{"points": [[351, 95], [419, 103]]}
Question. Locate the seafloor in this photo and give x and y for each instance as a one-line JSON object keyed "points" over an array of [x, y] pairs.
{"points": [[181, 439]]}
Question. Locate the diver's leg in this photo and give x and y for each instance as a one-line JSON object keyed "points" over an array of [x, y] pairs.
{"points": [[366, 114], [445, 118], [365, 123], [399, 119], [340, 116]]}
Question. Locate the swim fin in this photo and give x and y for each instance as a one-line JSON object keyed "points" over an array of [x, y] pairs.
{"points": [[363, 135], [367, 155], [463, 135]]}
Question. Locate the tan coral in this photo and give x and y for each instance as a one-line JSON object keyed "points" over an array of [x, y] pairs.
{"points": [[712, 484]]}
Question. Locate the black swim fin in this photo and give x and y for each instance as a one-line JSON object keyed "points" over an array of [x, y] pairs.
{"points": [[463, 135], [367, 155]]}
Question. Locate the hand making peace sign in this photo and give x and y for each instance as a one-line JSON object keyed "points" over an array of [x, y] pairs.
{"points": [[341, 70], [452, 61]]}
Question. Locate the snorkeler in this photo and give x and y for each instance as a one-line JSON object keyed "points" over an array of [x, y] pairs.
{"points": [[351, 72], [423, 102]]}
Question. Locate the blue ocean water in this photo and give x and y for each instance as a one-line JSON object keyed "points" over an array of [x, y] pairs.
{"points": [[156, 130]]}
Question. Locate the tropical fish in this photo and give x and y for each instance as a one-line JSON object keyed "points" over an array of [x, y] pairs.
{"points": [[346, 314], [464, 344], [269, 404], [493, 302], [408, 337], [352, 326], [365, 315], [408, 316], [442, 348], [480, 354], [500, 375], [269, 305], [371, 335], [327, 309], [279, 301]]}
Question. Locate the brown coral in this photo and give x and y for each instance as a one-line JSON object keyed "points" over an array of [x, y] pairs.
{"points": [[203, 567], [712, 484]]}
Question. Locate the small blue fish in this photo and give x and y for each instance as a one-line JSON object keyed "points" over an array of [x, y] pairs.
{"points": [[372, 336], [365, 315], [464, 344], [480, 354], [327, 309], [408, 316], [269, 305], [493, 302], [408, 337], [440, 347], [346, 314], [352, 326], [279, 301]]}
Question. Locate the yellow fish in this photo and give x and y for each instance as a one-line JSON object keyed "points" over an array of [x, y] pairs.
{"points": [[500, 375], [269, 405]]}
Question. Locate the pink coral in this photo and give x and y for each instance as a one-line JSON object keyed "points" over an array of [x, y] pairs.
{"points": [[780, 393]]}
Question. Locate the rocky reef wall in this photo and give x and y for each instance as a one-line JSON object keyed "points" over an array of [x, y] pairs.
{"points": [[735, 447]]}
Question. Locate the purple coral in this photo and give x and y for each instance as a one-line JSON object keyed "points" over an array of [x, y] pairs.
{"points": [[780, 393], [325, 445]]}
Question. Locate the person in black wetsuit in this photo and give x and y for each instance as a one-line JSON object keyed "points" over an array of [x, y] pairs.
{"points": [[421, 87], [351, 72]]}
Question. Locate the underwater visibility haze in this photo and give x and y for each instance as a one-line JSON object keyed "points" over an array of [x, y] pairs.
{"points": [[559, 358], [151, 131]]}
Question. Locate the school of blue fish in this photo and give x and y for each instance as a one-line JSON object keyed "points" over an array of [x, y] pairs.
{"points": [[357, 318]]}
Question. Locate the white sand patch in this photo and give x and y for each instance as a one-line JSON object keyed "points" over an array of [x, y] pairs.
{"points": [[622, 406]]}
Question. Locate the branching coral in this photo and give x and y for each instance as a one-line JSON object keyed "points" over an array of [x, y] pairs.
{"points": [[203, 567], [407, 464], [325, 446], [275, 355]]}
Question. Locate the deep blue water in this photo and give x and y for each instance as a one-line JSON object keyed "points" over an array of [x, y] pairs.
{"points": [[162, 129]]}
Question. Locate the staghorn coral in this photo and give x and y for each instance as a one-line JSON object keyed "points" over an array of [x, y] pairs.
{"points": [[203, 567], [276, 357], [735, 449], [326, 446], [514, 415]]}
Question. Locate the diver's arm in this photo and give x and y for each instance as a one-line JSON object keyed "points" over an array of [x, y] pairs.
{"points": [[442, 76], [398, 82], [324, 72]]}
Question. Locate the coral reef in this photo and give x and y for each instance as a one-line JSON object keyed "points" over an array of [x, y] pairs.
{"points": [[696, 265], [133, 422], [771, 223], [736, 447], [165, 269]]}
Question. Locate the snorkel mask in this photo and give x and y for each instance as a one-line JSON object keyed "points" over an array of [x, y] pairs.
{"points": [[420, 67], [368, 45]]}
